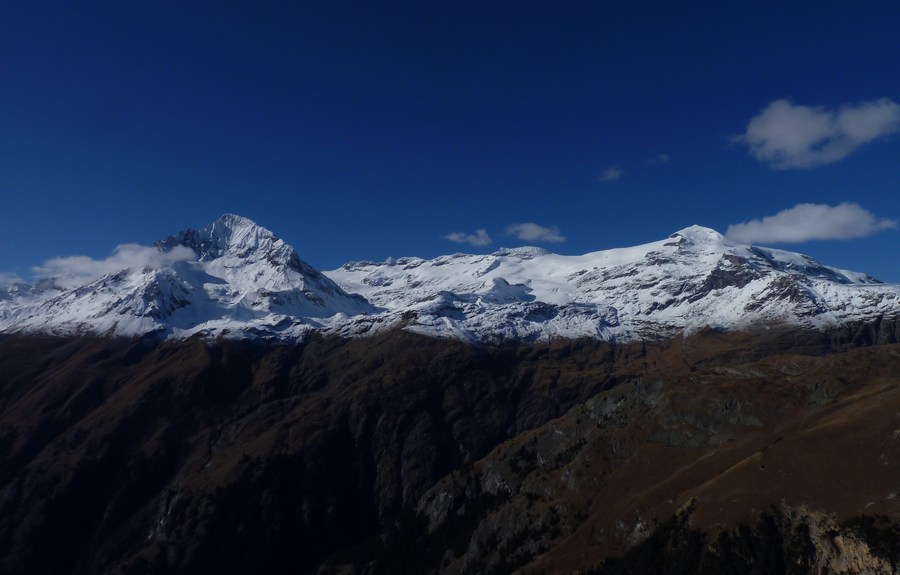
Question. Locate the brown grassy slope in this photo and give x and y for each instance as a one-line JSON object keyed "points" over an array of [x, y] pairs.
{"points": [[132, 456], [821, 433], [235, 456]]}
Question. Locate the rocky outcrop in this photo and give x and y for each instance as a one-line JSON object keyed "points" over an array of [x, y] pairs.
{"points": [[781, 540]]}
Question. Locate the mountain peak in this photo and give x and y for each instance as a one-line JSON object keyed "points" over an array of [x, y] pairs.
{"points": [[232, 235], [235, 220], [240, 278], [699, 234], [232, 228], [236, 235]]}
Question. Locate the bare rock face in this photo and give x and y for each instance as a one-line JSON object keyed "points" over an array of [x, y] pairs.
{"points": [[780, 540], [855, 546]]}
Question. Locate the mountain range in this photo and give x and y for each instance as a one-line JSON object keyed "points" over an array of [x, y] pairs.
{"points": [[238, 279], [213, 404]]}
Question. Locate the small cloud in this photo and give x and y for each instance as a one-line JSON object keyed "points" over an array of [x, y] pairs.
{"points": [[9, 280], [531, 232], [787, 136], [659, 160], [73, 271], [611, 173], [805, 222], [479, 238]]}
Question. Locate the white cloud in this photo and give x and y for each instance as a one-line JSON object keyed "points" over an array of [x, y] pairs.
{"points": [[531, 232], [788, 136], [7, 280], [73, 271], [611, 173], [659, 159], [479, 238], [805, 222]]}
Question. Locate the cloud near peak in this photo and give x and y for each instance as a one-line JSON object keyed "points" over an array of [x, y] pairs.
{"points": [[73, 271], [532, 232], [806, 222], [7, 279], [785, 135], [479, 238]]}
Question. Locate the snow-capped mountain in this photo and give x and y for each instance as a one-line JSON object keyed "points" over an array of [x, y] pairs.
{"points": [[232, 276], [235, 277], [695, 278]]}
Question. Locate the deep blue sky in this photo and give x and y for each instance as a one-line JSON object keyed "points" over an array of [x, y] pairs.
{"points": [[362, 130]]}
